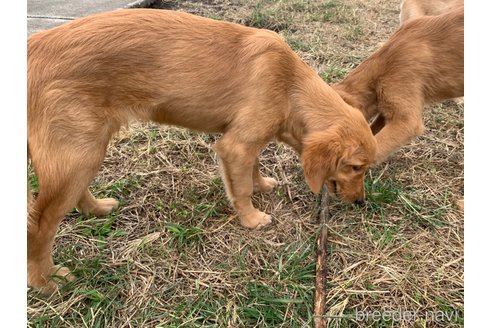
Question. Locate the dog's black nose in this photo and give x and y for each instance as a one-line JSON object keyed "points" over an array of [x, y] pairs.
{"points": [[360, 202]]}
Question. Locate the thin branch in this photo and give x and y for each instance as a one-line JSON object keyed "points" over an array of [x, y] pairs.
{"points": [[320, 292]]}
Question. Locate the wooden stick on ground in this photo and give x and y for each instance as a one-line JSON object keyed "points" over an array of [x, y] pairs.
{"points": [[320, 292]]}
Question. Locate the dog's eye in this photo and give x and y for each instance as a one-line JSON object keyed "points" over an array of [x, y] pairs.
{"points": [[356, 168]]}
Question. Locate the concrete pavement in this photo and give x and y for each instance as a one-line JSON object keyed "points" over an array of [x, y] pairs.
{"points": [[45, 14]]}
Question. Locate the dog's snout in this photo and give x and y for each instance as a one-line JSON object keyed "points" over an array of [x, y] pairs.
{"points": [[360, 202]]}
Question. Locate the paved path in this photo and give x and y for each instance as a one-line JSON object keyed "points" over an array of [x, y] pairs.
{"points": [[45, 14]]}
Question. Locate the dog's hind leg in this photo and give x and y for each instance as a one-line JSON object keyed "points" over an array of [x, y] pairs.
{"points": [[261, 183], [64, 172], [44, 218]]}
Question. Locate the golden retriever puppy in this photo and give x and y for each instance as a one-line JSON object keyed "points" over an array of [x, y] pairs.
{"points": [[91, 76], [421, 63], [410, 9]]}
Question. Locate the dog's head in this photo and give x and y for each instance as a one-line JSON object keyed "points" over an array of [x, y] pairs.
{"points": [[339, 158]]}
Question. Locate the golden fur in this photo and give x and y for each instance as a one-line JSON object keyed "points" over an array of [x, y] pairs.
{"points": [[89, 77], [421, 63], [410, 9]]}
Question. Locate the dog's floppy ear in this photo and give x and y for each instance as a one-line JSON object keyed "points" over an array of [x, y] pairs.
{"points": [[321, 153]]}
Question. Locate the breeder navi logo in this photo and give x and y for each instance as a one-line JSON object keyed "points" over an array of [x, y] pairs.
{"points": [[401, 315]]}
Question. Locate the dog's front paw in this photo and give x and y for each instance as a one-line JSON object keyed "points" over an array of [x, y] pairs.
{"points": [[266, 184], [255, 220]]}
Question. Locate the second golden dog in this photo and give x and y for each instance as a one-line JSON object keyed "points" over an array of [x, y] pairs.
{"points": [[421, 63]]}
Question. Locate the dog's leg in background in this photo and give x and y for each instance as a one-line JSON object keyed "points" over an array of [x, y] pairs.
{"points": [[262, 184], [398, 130], [88, 204], [410, 9], [237, 162]]}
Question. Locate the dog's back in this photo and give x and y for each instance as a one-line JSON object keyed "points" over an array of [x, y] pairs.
{"points": [[426, 54], [436, 45], [410, 9], [117, 64]]}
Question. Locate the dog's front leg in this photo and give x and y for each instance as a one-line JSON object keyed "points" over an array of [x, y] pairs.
{"points": [[397, 132], [237, 165]]}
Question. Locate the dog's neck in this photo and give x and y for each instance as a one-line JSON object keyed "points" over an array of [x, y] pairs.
{"points": [[359, 89], [313, 106]]}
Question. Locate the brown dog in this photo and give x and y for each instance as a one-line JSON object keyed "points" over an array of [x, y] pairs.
{"points": [[421, 63], [89, 77], [410, 9]]}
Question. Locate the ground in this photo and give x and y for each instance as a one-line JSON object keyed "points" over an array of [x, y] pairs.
{"points": [[174, 254]]}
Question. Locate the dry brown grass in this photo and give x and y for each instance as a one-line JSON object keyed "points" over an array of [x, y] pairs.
{"points": [[174, 255]]}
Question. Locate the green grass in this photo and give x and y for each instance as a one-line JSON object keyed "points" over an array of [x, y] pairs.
{"points": [[383, 236], [280, 292], [33, 181], [424, 213], [333, 73], [92, 226], [261, 17], [119, 189], [95, 292], [448, 312], [381, 191], [197, 205], [183, 236], [174, 254], [272, 296], [280, 15], [298, 44], [353, 33], [334, 11]]}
